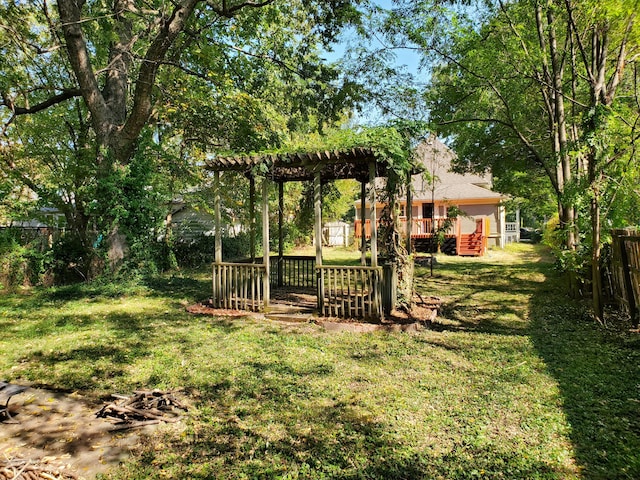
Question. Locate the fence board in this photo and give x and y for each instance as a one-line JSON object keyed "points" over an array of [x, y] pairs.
{"points": [[625, 269], [297, 271], [238, 285], [351, 292]]}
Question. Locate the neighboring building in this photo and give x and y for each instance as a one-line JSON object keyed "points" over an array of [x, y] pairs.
{"points": [[190, 223], [337, 234], [481, 221], [46, 225]]}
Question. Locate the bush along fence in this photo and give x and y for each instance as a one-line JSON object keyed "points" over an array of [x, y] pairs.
{"points": [[626, 271]]}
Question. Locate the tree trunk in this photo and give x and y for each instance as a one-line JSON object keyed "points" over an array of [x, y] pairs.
{"points": [[596, 277]]}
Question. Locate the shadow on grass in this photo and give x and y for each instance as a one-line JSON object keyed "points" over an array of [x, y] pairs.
{"points": [[599, 379], [271, 422], [196, 287], [483, 298], [596, 368]]}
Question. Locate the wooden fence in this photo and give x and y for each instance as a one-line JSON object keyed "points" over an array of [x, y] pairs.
{"points": [[626, 272], [350, 292], [293, 271], [239, 286]]}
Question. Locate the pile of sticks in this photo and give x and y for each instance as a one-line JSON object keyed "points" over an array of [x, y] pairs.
{"points": [[25, 470], [144, 407]]}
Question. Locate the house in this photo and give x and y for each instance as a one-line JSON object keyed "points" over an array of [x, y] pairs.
{"points": [[458, 213], [189, 223], [46, 225]]}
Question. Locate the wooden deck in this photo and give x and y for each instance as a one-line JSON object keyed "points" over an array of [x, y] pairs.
{"points": [[421, 227], [425, 231]]}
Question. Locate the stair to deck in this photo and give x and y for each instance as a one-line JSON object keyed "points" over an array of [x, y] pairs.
{"points": [[470, 244]]}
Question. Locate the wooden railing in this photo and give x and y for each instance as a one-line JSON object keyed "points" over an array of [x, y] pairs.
{"points": [[350, 292], [511, 227], [511, 232], [293, 271], [239, 286], [420, 226]]}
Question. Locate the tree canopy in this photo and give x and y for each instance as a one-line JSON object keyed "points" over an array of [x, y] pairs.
{"points": [[107, 106]]}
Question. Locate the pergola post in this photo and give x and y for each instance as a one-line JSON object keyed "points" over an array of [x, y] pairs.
{"points": [[363, 214], [252, 218], [218, 219], [265, 239], [409, 214], [317, 210], [373, 214], [280, 232]]}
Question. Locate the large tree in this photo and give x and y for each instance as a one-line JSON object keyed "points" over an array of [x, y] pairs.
{"points": [[92, 90]]}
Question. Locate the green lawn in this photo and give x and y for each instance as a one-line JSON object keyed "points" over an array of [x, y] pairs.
{"points": [[514, 381]]}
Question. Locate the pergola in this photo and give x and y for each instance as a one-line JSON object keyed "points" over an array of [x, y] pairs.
{"points": [[342, 291]]}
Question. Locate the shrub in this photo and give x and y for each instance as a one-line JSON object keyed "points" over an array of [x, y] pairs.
{"points": [[201, 251], [23, 263]]}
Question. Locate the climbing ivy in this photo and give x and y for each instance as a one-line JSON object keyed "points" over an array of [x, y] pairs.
{"points": [[390, 144]]}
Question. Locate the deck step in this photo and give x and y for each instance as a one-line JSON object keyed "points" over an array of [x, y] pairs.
{"points": [[290, 317], [470, 245]]}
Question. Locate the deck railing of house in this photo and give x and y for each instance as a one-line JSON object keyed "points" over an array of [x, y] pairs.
{"points": [[239, 286], [421, 227], [351, 292], [293, 271]]}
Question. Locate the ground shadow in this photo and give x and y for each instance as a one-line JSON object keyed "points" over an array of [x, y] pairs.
{"points": [[599, 379], [240, 434], [596, 367]]}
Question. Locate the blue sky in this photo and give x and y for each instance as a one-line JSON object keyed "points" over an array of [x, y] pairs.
{"points": [[405, 59]]}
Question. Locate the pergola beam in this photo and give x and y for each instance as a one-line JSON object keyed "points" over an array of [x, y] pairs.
{"points": [[363, 214], [280, 231], [252, 218]]}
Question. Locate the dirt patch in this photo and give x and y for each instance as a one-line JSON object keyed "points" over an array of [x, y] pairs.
{"points": [[422, 314], [62, 430]]}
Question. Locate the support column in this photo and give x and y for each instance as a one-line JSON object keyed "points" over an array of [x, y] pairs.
{"points": [[317, 209], [409, 214], [218, 233], [252, 219], [373, 215], [265, 239], [363, 215], [502, 214], [280, 232]]}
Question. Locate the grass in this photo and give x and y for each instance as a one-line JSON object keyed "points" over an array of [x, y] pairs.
{"points": [[514, 381]]}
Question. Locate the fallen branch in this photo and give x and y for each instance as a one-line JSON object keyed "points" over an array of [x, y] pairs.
{"points": [[143, 408]]}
